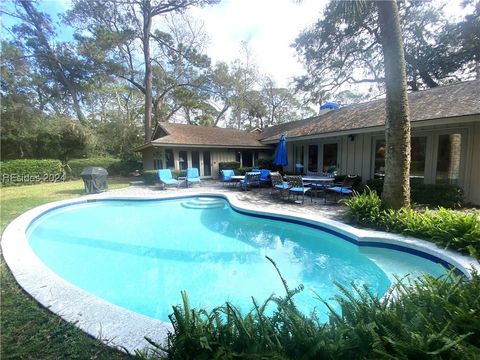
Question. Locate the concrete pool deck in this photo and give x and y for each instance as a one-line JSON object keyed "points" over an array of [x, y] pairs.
{"points": [[258, 197], [126, 330]]}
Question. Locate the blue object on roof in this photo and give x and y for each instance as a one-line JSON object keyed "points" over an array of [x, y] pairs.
{"points": [[329, 105], [281, 157]]}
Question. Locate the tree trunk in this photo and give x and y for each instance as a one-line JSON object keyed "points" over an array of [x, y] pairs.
{"points": [[147, 24], [396, 188]]}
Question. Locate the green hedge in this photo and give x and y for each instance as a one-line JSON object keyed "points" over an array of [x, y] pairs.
{"points": [[31, 171], [230, 165], [244, 170], [112, 165], [150, 177], [447, 228], [434, 195]]}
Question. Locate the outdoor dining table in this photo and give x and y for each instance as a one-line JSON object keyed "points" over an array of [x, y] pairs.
{"points": [[321, 182], [237, 178], [319, 179]]}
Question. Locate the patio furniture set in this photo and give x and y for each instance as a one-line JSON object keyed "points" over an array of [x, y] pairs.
{"points": [[291, 185], [296, 185]]}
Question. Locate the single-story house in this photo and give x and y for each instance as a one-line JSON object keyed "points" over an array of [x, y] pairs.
{"points": [[179, 146], [445, 125]]}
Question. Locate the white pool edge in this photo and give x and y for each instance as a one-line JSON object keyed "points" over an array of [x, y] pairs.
{"points": [[125, 329]]}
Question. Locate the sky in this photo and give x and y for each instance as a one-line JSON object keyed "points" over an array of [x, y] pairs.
{"points": [[268, 26]]}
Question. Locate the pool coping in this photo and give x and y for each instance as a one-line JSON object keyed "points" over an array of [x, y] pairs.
{"points": [[125, 329]]}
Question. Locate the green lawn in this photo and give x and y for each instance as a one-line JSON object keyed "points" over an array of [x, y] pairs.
{"points": [[27, 330]]}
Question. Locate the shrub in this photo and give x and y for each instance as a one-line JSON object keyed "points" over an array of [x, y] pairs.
{"points": [[30, 171], [432, 318], [375, 185], [230, 165], [112, 165], [365, 209], [150, 177], [447, 228], [449, 196], [436, 195], [244, 170]]}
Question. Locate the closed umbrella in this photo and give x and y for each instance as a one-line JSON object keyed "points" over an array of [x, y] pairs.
{"points": [[281, 157]]}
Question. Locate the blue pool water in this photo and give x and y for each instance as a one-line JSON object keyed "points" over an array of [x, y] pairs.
{"points": [[141, 254]]}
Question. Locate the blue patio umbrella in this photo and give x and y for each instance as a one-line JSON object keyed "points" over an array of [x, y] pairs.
{"points": [[281, 158]]}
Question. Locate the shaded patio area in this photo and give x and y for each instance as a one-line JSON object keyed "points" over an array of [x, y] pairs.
{"points": [[259, 196]]}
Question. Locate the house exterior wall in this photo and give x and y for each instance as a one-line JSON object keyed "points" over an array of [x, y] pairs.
{"points": [[356, 152], [216, 156], [472, 185]]}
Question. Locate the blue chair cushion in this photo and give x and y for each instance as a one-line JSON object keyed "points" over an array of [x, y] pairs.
{"points": [[264, 175], [169, 181], [340, 190], [284, 186], [299, 189]]}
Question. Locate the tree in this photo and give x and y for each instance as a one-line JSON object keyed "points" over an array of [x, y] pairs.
{"points": [[122, 28], [351, 31], [59, 72], [340, 54], [396, 187], [281, 104]]}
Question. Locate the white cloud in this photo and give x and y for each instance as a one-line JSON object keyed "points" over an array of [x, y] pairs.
{"points": [[269, 26]]}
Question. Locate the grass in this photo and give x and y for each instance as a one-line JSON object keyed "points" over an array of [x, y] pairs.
{"points": [[28, 331]]}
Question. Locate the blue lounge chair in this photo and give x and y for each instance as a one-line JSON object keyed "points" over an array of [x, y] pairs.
{"points": [[166, 178], [227, 176], [192, 176]]}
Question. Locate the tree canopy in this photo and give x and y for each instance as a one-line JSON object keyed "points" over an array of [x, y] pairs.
{"points": [[339, 55]]}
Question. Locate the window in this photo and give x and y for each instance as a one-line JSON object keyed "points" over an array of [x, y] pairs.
{"points": [[247, 158], [448, 158], [379, 169], [169, 159], [313, 158], [418, 155], [330, 152], [183, 160], [157, 159], [196, 159], [207, 165]]}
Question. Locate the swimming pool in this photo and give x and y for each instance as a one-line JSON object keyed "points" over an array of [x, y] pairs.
{"points": [[112, 264], [141, 254]]}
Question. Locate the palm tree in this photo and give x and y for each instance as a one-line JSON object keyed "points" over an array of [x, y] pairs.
{"points": [[396, 188]]}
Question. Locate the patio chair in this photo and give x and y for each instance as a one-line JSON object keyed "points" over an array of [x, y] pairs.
{"points": [[251, 179], [278, 185], [344, 189], [265, 177], [192, 176], [296, 187], [166, 178], [226, 176]]}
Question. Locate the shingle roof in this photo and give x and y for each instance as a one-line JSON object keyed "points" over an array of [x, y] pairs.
{"points": [[182, 134], [442, 102]]}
